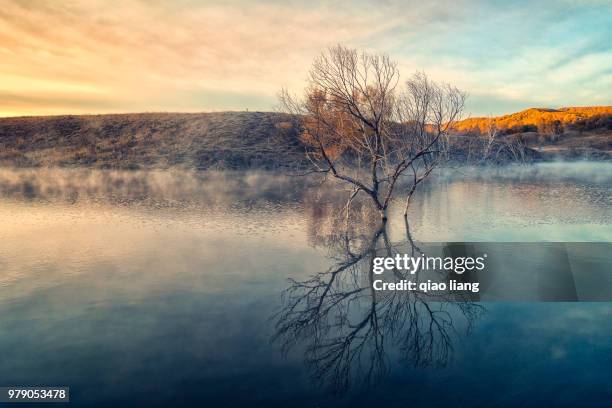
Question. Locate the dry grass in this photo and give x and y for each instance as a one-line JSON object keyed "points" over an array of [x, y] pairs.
{"points": [[227, 140], [240, 140]]}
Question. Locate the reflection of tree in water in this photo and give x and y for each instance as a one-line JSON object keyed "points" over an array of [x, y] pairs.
{"points": [[346, 326]]}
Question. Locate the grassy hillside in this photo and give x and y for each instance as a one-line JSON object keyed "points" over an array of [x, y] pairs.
{"points": [[548, 134], [227, 140], [542, 120], [238, 140]]}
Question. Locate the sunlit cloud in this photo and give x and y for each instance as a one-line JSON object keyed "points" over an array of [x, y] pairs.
{"points": [[107, 56]]}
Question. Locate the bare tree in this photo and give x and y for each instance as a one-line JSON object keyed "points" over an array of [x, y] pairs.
{"points": [[490, 145], [480, 145], [516, 148], [490, 136], [362, 129]]}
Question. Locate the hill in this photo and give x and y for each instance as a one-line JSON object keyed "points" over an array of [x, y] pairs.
{"points": [[264, 140], [228, 140], [541, 120], [549, 134]]}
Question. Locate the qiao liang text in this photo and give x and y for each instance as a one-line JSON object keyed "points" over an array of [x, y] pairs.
{"points": [[425, 287]]}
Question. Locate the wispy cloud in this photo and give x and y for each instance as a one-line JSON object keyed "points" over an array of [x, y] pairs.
{"points": [[103, 56]]}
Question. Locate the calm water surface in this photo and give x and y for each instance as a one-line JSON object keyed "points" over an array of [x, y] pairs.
{"points": [[169, 289]]}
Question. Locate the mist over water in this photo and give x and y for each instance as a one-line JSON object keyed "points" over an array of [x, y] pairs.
{"points": [[540, 202], [137, 282], [587, 172]]}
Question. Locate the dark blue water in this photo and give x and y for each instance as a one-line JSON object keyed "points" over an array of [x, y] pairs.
{"points": [[176, 290]]}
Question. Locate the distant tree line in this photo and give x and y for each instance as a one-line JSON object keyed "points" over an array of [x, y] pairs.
{"points": [[557, 127]]}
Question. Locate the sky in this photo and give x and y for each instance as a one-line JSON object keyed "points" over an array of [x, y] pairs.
{"points": [[77, 57]]}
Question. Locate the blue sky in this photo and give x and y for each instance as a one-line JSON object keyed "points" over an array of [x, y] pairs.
{"points": [[106, 56]]}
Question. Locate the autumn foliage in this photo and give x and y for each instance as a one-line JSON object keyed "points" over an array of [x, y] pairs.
{"points": [[542, 120]]}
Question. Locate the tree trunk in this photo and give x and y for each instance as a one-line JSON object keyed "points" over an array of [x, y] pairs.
{"points": [[410, 193], [383, 215]]}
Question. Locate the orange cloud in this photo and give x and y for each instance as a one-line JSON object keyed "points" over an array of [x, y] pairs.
{"points": [[139, 53]]}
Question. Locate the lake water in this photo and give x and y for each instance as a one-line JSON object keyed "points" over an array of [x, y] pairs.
{"points": [[246, 289]]}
